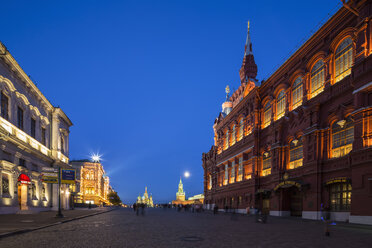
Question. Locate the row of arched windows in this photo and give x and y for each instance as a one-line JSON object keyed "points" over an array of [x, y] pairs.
{"points": [[342, 64]]}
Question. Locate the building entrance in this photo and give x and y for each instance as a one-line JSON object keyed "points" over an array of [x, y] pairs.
{"points": [[295, 198]]}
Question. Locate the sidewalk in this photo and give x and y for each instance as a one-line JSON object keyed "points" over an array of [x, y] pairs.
{"points": [[18, 223]]}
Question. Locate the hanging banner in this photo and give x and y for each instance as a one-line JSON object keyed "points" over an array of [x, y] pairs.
{"points": [[68, 176]]}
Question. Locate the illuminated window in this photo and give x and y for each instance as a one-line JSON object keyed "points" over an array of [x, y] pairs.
{"points": [[233, 135], [4, 106], [343, 59], [297, 93], [267, 115], [232, 173], [280, 105], [240, 170], [209, 182], [241, 129], [226, 174], [342, 137], [5, 184], [266, 164], [317, 78], [227, 136], [340, 196], [295, 154]]}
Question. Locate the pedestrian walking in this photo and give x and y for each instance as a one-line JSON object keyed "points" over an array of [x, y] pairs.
{"points": [[215, 209]]}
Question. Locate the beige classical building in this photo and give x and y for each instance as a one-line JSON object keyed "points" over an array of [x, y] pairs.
{"points": [[92, 184], [33, 134]]}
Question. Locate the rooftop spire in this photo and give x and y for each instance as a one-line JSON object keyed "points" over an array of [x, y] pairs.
{"points": [[249, 67], [248, 44]]}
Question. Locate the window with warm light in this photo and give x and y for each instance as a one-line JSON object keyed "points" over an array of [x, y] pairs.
{"points": [[240, 170], [241, 129], [232, 172], [280, 105], [317, 78], [226, 174], [267, 115], [340, 196], [295, 153], [266, 164], [209, 182], [342, 137], [297, 93], [343, 59], [226, 140], [233, 135]]}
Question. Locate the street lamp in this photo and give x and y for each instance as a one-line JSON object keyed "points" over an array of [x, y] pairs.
{"points": [[186, 174]]}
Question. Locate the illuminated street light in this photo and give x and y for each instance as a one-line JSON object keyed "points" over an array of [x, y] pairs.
{"points": [[96, 158], [186, 174]]}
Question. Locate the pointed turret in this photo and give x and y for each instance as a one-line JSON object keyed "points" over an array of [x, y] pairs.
{"points": [[249, 67]]}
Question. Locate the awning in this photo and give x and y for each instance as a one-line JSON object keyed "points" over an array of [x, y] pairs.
{"points": [[24, 179]]}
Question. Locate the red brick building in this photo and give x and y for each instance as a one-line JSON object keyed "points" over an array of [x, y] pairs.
{"points": [[302, 139]]}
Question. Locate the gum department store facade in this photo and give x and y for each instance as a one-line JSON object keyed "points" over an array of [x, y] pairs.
{"points": [[33, 134], [303, 138]]}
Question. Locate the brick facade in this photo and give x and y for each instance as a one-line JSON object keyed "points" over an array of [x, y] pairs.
{"points": [[292, 150]]}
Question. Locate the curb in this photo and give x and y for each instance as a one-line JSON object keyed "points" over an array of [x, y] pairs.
{"points": [[8, 234]]}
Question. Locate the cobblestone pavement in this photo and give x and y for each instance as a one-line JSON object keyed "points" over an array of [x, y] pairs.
{"points": [[168, 228], [16, 222]]}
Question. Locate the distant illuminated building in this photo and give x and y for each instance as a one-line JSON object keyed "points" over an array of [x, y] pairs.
{"points": [[145, 199], [181, 197], [92, 184]]}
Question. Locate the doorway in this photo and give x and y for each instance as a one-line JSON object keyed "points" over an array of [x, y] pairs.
{"points": [[295, 199], [22, 196]]}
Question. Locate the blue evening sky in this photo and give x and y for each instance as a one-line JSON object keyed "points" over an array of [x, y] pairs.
{"points": [[143, 81]]}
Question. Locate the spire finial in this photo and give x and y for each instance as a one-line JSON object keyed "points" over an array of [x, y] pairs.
{"points": [[227, 90], [248, 26]]}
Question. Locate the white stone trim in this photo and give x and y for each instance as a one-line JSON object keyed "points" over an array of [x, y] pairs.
{"points": [[280, 213], [359, 219], [340, 216], [311, 215]]}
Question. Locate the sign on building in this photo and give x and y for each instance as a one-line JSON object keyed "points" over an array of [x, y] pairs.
{"points": [[68, 176], [49, 175]]}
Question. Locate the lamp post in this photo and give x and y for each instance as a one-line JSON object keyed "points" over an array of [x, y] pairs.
{"points": [[59, 214]]}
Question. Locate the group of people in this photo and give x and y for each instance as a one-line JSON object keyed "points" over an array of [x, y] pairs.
{"points": [[139, 206]]}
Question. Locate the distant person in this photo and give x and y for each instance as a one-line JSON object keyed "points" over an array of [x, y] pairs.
{"points": [[215, 209]]}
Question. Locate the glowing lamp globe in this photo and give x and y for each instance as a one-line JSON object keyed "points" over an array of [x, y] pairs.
{"points": [[186, 174]]}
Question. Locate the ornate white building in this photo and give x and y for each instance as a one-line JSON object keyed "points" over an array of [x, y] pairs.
{"points": [[33, 134]]}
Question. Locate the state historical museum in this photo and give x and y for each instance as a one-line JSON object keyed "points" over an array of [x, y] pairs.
{"points": [[302, 139]]}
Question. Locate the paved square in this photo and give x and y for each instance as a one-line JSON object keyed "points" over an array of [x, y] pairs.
{"points": [[168, 228]]}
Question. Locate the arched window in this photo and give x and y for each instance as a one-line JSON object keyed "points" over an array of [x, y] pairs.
{"points": [[267, 115], [342, 137], [297, 93], [295, 154], [233, 135], [280, 105], [317, 78], [266, 164], [227, 136], [343, 59], [241, 129]]}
